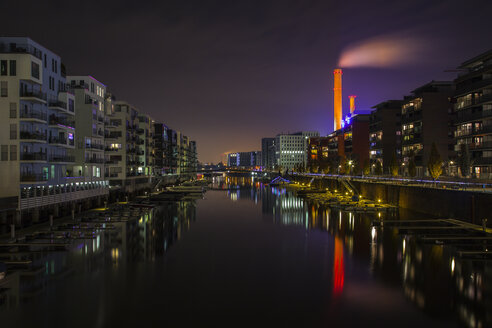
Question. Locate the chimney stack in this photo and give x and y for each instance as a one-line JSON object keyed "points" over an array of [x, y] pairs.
{"points": [[352, 105], [337, 99]]}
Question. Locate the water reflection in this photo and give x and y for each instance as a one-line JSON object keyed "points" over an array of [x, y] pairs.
{"points": [[432, 277], [142, 238]]}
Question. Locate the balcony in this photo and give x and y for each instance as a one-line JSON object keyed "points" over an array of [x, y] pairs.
{"points": [[111, 149], [41, 157], [33, 95], [32, 136], [33, 177], [95, 160], [58, 141], [62, 159], [411, 116], [57, 104], [61, 122], [414, 140], [480, 145], [33, 115], [94, 146], [464, 116], [473, 86], [16, 48]]}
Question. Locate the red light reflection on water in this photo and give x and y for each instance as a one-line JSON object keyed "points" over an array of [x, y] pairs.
{"points": [[338, 268]]}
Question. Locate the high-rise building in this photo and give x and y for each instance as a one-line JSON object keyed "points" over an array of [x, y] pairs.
{"points": [[473, 113]]}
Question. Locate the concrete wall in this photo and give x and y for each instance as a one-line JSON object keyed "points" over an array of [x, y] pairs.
{"points": [[446, 203]]}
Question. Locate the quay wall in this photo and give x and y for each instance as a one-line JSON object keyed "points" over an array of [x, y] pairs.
{"points": [[469, 206]]}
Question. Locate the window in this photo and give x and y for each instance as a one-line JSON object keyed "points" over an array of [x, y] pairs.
{"points": [[52, 65], [13, 68], [45, 62], [13, 110], [3, 67], [35, 70], [13, 152], [52, 171], [4, 89], [13, 131], [5, 153]]}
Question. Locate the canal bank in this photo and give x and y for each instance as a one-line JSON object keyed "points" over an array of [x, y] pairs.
{"points": [[466, 205]]}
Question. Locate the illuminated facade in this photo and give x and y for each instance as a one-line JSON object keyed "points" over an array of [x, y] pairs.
{"points": [[385, 132], [473, 113], [291, 149], [245, 160], [337, 99], [90, 118], [38, 134], [425, 120]]}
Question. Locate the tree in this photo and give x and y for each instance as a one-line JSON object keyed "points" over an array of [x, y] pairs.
{"points": [[366, 170], [394, 167], [412, 167], [435, 163], [378, 170], [465, 160]]}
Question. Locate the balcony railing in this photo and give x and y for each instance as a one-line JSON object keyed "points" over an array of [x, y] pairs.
{"points": [[57, 140], [94, 146], [33, 156], [34, 114], [33, 177], [95, 160], [481, 145], [33, 94], [62, 158], [462, 116], [56, 120], [58, 104], [20, 48], [26, 135]]}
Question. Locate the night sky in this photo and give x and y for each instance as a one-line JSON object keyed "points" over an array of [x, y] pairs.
{"points": [[227, 73]]}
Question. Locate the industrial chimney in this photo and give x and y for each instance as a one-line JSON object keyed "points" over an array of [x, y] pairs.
{"points": [[352, 105], [337, 99]]}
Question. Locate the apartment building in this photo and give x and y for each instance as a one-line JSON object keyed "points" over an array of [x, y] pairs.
{"points": [[385, 132], [473, 113], [38, 134], [90, 102], [125, 144], [426, 119]]}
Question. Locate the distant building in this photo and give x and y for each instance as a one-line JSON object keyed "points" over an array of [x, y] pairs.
{"points": [[291, 149], [385, 132], [473, 113], [425, 120], [268, 152], [250, 159]]}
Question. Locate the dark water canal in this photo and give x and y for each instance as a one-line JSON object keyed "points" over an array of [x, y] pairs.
{"points": [[249, 255]]}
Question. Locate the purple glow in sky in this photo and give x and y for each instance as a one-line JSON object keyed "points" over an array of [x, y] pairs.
{"points": [[227, 73]]}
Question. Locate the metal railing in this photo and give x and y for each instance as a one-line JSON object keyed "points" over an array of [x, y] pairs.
{"points": [[34, 114], [33, 94], [33, 156], [33, 177], [26, 135]]}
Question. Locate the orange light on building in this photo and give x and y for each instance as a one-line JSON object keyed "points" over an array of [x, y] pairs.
{"points": [[337, 99], [338, 267], [352, 104]]}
